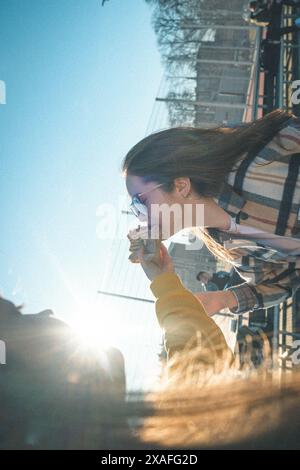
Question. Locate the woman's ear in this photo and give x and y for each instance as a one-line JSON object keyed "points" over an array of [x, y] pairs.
{"points": [[183, 186]]}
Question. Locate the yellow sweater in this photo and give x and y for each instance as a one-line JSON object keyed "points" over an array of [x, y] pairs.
{"points": [[184, 320]]}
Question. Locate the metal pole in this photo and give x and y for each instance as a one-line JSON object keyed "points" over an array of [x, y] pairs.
{"points": [[128, 297], [200, 77], [204, 103], [256, 77], [209, 61], [275, 329]]}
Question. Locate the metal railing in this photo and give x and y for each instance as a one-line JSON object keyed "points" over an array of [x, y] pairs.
{"points": [[281, 323]]}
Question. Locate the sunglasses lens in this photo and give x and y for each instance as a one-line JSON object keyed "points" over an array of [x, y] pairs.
{"points": [[138, 208], [133, 210]]}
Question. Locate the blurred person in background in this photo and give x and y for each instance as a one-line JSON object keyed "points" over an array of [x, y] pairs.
{"points": [[55, 393], [261, 12], [205, 279], [219, 280]]}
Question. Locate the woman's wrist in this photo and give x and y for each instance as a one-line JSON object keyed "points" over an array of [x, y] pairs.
{"points": [[229, 300]]}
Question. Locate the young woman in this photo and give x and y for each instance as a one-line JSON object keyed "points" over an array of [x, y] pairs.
{"points": [[246, 179]]}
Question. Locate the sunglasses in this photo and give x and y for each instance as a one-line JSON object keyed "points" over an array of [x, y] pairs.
{"points": [[137, 207]]}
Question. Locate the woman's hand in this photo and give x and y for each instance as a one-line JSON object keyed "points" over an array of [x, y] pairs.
{"points": [[153, 265], [215, 301]]}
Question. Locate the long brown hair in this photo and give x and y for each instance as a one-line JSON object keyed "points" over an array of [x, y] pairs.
{"points": [[206, 156], [258, 412]]}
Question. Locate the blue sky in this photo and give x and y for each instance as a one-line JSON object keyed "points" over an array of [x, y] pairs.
{"points": [[81, 82]]}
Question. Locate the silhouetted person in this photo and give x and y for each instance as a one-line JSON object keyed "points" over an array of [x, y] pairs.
{"points": [[54, 393]]}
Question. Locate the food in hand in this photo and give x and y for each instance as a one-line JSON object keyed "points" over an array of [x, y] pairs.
{"points": [[140, 243]]}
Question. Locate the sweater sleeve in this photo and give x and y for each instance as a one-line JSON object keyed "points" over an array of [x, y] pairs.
{"points": [[184, 320], [268, 285], [264, 295]]}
